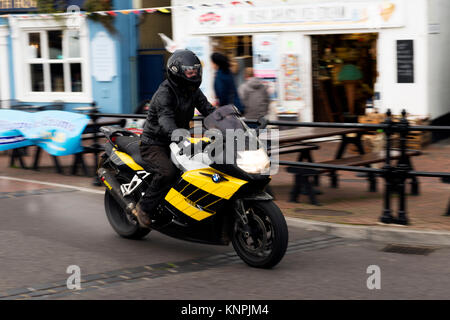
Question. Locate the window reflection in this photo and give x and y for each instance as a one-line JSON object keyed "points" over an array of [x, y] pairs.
{"points": [[75, 71], [34, 46], [57, 77], [74, 43], [55, 44], [37, 77]]}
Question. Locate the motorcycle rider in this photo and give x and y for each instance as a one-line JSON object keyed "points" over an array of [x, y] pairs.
{"points": [[172, 107]]}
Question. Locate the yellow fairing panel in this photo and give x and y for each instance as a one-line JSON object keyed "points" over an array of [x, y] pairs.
{"points": [[224, 189], [181, 203], [197, 195], [128, 160]]}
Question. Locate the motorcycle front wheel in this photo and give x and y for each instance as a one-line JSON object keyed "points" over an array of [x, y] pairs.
{"points": [[262, 242]]}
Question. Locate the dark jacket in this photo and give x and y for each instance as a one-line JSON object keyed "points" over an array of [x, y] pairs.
{"points": [[225, 90], [255, 96], [172, 108]]}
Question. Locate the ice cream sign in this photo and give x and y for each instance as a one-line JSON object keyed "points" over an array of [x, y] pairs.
{"points": [[312, 16], [209, 18], [386, 10]]}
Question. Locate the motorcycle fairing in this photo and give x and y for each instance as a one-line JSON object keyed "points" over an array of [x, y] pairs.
{"points": [[198, 196], [121, 158]]}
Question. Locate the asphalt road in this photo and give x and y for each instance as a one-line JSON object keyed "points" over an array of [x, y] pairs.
{"points": [[46, 229]]}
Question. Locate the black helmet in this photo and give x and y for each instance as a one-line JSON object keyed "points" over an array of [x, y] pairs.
{"points": [[185, 69]]}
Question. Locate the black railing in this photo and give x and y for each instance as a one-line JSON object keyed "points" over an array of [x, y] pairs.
{"points": [[394, 175]]}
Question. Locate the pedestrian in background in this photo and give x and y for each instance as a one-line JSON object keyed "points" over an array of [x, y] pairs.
{"points": [[224, 86], [254, 95]]}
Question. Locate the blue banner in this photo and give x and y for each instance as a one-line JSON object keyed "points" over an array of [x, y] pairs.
{"points": [[57, 132]]}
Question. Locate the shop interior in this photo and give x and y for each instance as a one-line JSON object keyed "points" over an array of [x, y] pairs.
{"points": [[239, 50], [344, 75]]}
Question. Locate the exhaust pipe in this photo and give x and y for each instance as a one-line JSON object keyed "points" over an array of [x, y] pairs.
{"points": [[110, 181]]}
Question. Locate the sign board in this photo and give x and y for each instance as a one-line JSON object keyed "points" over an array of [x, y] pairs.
{"points": [[434, 28], [405, 61], [103, 57], [265, 55], [312, 16]]}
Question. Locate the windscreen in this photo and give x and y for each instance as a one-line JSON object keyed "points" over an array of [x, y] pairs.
{"points": [[227, 120], [226, 117]]}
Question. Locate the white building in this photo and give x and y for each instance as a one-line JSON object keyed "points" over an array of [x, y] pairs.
{"points": [[411, 46]]}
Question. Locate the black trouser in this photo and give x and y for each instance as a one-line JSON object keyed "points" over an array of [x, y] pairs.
{"points": [[164, 175]]}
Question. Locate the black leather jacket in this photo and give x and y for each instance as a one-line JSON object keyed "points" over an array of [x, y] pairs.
{"points": [[172, 108]]}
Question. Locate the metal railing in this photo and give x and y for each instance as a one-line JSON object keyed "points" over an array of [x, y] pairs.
{"points": [[395, 176]]}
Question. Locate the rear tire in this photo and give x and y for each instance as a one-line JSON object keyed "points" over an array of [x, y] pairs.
{"points": [[264, 243], [124, 225]]}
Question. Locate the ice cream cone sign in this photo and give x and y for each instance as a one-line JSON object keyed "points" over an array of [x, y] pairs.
{"points": [[386, 10]]}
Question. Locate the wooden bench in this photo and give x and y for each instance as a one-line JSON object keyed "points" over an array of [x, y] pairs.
{"points": [[303, 175], [304, 150]]}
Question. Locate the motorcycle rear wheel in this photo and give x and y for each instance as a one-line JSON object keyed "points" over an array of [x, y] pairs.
{"points": [[264, 242], [124, 225]]}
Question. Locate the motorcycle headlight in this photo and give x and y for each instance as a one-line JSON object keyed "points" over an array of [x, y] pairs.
{"points": [[253, 161]]}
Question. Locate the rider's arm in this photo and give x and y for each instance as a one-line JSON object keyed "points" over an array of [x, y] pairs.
{"points": [[166, 116], [202, 104]]}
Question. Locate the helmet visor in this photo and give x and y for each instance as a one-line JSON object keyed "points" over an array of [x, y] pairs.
{"points": [[191, 71]]}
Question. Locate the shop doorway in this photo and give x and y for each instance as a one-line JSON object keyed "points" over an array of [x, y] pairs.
{"points": [[344, 70]]}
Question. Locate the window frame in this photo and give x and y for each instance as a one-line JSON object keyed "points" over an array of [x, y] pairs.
{"points": [[21, 28]]}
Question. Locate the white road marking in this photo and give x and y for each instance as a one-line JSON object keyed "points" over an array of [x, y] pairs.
{"points": [[54, 185]]}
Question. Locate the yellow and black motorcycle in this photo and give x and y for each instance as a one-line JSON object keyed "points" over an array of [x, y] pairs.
{"points": [[212, 202]]}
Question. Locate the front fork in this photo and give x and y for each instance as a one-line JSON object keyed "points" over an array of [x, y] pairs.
{"points": [[241, 215]]}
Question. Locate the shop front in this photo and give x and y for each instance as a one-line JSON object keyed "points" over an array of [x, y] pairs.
{"points": [[323, 61], [68, 60]]}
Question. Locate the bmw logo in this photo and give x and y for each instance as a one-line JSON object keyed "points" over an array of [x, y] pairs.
{"points": [[216, 178]]}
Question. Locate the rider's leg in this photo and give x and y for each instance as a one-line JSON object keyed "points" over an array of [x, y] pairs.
{"points": [[164, 174]]}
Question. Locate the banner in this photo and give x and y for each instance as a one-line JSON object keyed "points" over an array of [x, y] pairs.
{"points": [[57, 132]]}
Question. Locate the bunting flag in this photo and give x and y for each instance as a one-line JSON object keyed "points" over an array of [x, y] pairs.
{"points": [[115, 13], [164, 10]]}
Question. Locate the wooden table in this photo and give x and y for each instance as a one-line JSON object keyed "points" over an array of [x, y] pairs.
{"points": [[302, 134]]}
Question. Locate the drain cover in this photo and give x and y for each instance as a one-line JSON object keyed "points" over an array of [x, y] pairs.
{"points": [[322, 212], [406, 249]]}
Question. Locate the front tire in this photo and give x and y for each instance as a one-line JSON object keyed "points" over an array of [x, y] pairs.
{"points": [[124, 225], [263, 242]]}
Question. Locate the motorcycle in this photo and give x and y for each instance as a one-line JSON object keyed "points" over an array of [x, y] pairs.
{"points": [[211, 202]]}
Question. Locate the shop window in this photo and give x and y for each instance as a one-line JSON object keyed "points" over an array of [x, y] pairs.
{"points": [[57, 77], [34, 46], [76, 77], [55, 44], [37, 77], [55, 62], [74, 44]]}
